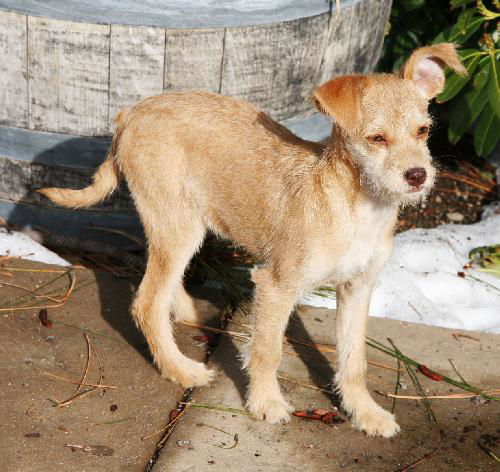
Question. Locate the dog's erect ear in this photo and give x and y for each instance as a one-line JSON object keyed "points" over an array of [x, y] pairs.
{"points": [[341, 99], [425, 67]]}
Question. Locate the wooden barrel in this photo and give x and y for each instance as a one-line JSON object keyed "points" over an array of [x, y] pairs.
{"points": [[67, 67]]}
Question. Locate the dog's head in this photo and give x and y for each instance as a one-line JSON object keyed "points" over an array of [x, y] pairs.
{"points": [[384, 122]]}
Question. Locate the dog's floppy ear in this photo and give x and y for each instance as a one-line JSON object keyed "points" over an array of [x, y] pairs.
{"points": [[425, 67], [341, 99]]}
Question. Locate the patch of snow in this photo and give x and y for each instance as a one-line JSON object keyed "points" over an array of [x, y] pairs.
{"points": [[15, 244], [420, 283]]}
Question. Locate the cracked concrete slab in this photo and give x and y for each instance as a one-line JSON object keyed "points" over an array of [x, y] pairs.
{"points": [[202, 440], [34, 435]]}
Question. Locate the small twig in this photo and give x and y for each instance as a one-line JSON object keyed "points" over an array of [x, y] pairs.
{"points": [[460, 335], [416, 311], [488, 451], [422, 459]]}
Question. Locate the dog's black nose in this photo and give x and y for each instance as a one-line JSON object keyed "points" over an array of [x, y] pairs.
{"points": [[416, 176]]}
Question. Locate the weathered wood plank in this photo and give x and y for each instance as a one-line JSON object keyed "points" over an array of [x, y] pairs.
{"points": [[336, 52], [19, 179], [68, 76], [275, 66], [363, 32], [136, 66], [53, 148], [384, 7], [13, 79], [193, 59]]}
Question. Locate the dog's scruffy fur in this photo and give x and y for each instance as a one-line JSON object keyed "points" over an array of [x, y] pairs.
{"points": [[197, 161]]}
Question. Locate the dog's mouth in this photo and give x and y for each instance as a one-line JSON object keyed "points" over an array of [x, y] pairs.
{"points": [[415, 189]]}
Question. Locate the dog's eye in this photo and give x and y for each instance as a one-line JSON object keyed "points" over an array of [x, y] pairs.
{"points": [[423, 130], [377, 138]]}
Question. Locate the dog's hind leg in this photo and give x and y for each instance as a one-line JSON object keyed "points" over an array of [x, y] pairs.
{"points": [[272, 305], [171, 247], [185, 310]]}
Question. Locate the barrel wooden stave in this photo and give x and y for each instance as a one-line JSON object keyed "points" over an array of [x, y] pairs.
{"points": [[72, 77]]}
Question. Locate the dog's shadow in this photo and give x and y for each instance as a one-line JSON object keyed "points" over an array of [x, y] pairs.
{"points": [[115, 299], [227, 354]]}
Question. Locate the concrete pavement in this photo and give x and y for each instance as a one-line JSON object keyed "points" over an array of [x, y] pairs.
{"points": [[34, 434]]}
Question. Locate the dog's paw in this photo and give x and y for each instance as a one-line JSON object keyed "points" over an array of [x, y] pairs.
{"points": [[376, 422], [191, 374], [272, 410]]}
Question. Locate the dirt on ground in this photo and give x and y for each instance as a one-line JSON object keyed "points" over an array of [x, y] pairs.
{"points": [[461, 191]]}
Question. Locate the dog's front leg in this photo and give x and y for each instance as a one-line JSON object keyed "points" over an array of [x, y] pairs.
{"points": [[272, 305], [353, 299]]}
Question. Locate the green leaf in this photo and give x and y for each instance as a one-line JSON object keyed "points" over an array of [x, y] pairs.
{"points": [[456, 82], [466, 53], [486, 134], [465, 112], [464, 19], [457, 35], [481, 77], [459, 3], [410, 5], [493, 92]]}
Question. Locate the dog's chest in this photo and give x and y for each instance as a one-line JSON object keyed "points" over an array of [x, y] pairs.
{"points": [[350, 246]]}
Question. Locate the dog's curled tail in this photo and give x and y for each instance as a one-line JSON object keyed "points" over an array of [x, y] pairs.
{"points": [[105, 180]]}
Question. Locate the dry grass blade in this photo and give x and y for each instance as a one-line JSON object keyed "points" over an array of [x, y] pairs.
{"points": [[79, 394], [20, 287], [77, 382], [169, 425], [296, 382], [241, 336], [416, 383], [398, 379], [466, 180], [451, 396], [87, 364], [48, 271], [137, 240], [57, 302], [207, 406], [95, 333]]}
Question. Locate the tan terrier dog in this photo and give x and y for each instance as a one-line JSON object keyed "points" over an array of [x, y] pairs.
{"points": [[197, 162]]}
